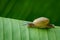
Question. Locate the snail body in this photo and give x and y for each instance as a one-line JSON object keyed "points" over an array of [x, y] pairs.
{"points": [[41, 22]]}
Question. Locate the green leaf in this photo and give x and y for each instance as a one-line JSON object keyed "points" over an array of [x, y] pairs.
{"points": [[12, 29], [31, 9]]}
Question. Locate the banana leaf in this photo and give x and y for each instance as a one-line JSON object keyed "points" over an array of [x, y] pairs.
{"points": [[12, 29]]}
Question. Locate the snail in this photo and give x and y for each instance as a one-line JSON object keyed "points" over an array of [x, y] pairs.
{"points": [[41, 22]]}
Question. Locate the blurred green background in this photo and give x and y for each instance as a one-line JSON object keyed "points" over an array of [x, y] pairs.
{"points": [[30, 9]]}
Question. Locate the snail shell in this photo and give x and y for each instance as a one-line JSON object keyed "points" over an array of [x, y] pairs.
{"points": [[41, 22]]}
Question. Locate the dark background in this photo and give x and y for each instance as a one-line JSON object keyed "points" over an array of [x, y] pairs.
{"points": [[30, 9]]}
